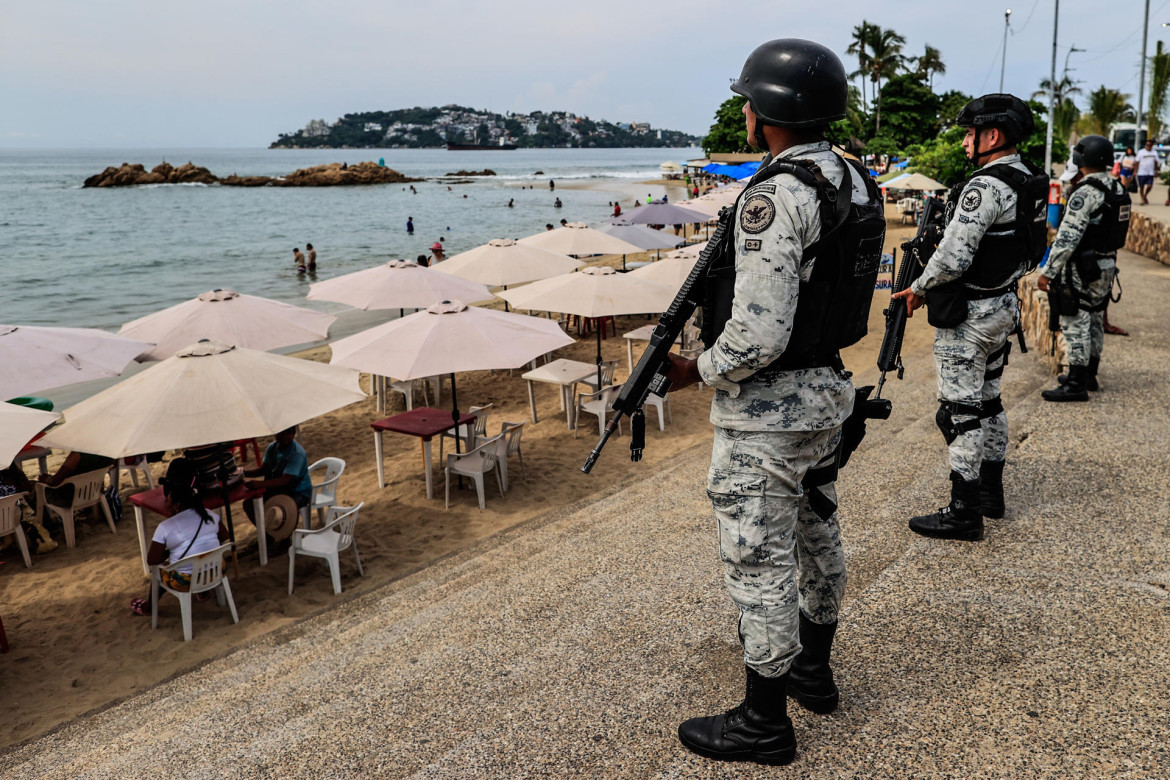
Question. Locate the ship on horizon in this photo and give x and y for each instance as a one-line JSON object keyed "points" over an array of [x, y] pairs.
{"points": [[453, 147]]}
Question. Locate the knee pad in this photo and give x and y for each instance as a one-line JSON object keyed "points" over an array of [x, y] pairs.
{"points": [[945, 421]]}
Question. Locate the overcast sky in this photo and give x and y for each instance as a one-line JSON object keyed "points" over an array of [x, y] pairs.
{"points": [[235, 73]]}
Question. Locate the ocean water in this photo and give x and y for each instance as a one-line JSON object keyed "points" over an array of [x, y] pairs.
{"points": [[102, 257]]}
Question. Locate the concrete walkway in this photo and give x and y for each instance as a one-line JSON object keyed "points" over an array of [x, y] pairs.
{"points": [[573, 646]]}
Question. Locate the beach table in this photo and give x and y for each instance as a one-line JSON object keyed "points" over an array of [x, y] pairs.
{"points": [[641, 334], [32, 451], [156, 502], [425, 422], [564, 372]]}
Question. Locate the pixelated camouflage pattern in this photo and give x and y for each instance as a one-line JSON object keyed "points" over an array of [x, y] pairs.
{"points": [[1084, 332], [1078, 215], [961, 359], [766, 286], [778, 554], [985, 205]]}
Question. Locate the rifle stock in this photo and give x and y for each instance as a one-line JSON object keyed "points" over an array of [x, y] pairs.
{"points": [[649, 375]]}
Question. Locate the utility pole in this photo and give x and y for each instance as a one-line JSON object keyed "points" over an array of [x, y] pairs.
{"points": [[1137, 133], [1052, 92], [1007, 15]]}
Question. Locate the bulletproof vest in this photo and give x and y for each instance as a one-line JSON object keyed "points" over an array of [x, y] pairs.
{"points": [[832, 310], [1109, 234], [1002, 254]]}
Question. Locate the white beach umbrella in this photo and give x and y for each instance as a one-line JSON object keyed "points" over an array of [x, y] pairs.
{"points": [[688, 251], [503, 261], [918, 182], [17, 426], [227, 316], [578, 239], [593, 292], [640, 235], [671, 271], [397, 284], [663, 214], [207, 393], [38, 358]]}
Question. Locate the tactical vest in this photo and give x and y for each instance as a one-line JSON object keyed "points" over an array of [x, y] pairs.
{"points": [[1003, 254], [1109, 235], [832, 310]]}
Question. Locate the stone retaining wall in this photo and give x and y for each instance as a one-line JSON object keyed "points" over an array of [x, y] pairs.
{"points": [[1149, 237]]}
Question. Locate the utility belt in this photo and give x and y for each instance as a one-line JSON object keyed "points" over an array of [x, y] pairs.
{"points": [[946, 305]]}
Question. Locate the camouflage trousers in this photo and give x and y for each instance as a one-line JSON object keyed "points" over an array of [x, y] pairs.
{"points": [[970, 358], [1084, 332], [779, 555]]}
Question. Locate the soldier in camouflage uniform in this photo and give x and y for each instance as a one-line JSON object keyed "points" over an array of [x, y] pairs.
{"points": [[1084, 235], [784, 566], [970, 354]]}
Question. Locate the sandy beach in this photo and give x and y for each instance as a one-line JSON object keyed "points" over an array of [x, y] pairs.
{"points": [[75, 646]]}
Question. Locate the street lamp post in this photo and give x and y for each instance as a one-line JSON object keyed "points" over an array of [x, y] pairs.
{"points": [[1007, 15], [1051, 91], [1137, 133]]}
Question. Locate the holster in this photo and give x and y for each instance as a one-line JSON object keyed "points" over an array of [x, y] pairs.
{"points": [[946, 305], [1087, 267]]}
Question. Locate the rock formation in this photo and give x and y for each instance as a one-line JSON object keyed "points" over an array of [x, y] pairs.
{"points": [[484, 172], [164, 173], [331, 175]]}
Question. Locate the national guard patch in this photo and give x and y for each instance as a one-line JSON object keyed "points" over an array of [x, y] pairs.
{"points": [[757, 214], [1077, 203], [971, 200], [769, 188], [753, 244]]}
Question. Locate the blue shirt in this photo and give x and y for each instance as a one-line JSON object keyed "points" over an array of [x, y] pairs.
{"points": [[290, 460]]}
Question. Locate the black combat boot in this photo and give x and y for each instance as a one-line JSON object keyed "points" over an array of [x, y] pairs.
{"points": [[991, 489], [1090, 377], [757, 730], [1073, 390], [810, 680], [958, 520]]}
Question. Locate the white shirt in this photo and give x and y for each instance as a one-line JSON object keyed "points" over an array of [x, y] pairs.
{"points": [[176, 532], [1147, 162]]}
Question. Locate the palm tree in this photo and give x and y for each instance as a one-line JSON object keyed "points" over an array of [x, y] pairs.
{"points": [[885, 47], [929, 64], [859, 46], [1106, 107], [1064, 88], [1159, 85]]}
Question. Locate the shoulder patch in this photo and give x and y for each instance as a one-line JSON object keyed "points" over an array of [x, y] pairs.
{"points": [[971, 200], [757, 214], [1076, 203], [753, 244], [769, 188]]}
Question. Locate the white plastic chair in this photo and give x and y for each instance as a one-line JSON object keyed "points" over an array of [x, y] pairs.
{"points": [[206, 574], [600, 404], [659, 401], [87, 492], [468, 436], [608, 368], [10, 524], [324, 493], [474, 465], [327, 542], [133, 464], [511, 433]]}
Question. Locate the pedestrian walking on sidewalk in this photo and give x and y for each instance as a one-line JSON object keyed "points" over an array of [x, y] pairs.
{"points": [[782, 395], [1083, 264], [995, 233], [1147, 169]]}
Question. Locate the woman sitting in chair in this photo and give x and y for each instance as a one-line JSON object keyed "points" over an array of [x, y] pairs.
{"points": [[189, 529]]}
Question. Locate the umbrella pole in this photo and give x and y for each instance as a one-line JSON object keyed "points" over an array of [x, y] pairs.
{"points": [[600, 325], [455, 421], [505, 302], [623, 262], [227, 516]]}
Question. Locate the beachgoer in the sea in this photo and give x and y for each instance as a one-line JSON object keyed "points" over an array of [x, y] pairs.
{"points": [[510, 203], [189, 529], [552, 185], [617, 209], [422, 260], [312, 264], [649, 198], [437, 255], [564, 222], [410, 222], [557, 203], [298, 258], [548, 226]]}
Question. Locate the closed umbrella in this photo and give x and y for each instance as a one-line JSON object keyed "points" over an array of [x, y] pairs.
{"points": [[580, 240], [18, 425], [503, 261], [397, 285], [227, 316], [593, 292], [39, 358]]}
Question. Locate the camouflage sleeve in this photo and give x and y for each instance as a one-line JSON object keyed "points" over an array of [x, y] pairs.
{"points": [[1072, 227], [979, 206], [770, 240]]}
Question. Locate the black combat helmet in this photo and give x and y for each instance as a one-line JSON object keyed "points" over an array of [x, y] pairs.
{"points": [[1004, 111], [791, 82], [1093, 151]]}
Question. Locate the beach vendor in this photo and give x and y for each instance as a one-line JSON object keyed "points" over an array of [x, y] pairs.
{"points": [[189, 529], [285, 471], [773, 334], [995, 233]]}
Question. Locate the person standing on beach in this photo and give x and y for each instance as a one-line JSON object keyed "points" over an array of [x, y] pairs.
{"points": [[1084, 254], [782, 394], [995, 233], [312, 264]]}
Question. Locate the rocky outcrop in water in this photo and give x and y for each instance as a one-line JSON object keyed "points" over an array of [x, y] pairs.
{"points": [[331, 175], [484, 172]]}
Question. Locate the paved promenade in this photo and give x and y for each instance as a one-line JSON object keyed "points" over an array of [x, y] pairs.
{"points": [[572, 646]]}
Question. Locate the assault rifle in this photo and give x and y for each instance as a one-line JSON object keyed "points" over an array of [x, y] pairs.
{"points": [[915, 255], [650, 373]]}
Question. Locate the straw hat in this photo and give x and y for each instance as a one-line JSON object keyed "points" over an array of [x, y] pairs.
{"points": [[280, 516]]}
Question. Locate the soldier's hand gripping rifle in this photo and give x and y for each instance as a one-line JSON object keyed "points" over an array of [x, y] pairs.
{"points": [[650, 373], [915, 255]]}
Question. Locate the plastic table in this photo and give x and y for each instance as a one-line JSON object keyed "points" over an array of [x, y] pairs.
{"points": [[563, 372], [425, 422], [156, 502]]}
